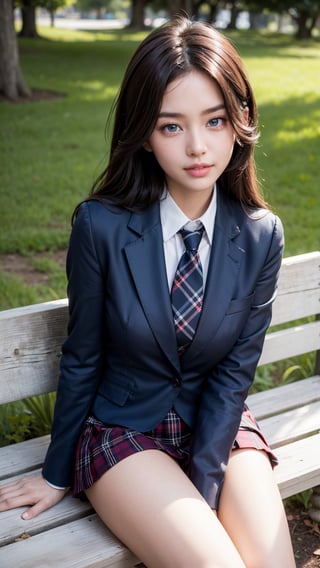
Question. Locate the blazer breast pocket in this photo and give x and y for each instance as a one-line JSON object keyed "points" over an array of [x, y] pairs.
{"points": [[239, 305]]}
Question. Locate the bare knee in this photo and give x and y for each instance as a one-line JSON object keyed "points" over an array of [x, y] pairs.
{"points": [[252, 512]]}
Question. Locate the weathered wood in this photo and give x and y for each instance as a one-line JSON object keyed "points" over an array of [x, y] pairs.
{"points": [[30, 349], [299, 290], [290, 342], [292, 425], [286, 397], [299, 467], [23, 457], [86, 543], [67, 510], [296, 305]]}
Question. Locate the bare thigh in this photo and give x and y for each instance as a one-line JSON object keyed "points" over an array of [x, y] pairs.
{"points": [[152, 506], [252, 512]]}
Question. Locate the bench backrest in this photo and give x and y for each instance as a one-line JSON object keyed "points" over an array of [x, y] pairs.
{"points": [[31, 336]]}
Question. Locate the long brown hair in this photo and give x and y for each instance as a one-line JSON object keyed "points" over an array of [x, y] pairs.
{"points": [[133, 179]]}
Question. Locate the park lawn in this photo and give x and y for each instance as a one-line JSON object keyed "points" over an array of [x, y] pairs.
{"points": [[52, 150]]}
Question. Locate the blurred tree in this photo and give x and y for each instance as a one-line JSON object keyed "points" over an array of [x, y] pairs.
{"points": [[28, 14], [98, 6], [53, 5], [212, 5], [235, 8], [305, 13], [137, 14], [12, 84], [177, 6]]}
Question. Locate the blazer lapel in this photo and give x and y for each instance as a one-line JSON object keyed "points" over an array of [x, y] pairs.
{"points": [[147, 265], [146, 261]]}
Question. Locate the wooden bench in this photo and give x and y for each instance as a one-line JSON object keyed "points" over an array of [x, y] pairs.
{"points": [[70, 534]]}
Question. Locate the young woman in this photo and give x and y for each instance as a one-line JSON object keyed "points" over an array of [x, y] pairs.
{"points": [[151, 422]]}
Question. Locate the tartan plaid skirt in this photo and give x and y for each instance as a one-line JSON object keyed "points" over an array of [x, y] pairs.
{"points": [[101, 446]]}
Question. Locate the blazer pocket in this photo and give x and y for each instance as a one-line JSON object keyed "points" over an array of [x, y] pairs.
{"points": [[239, 305], [117, 392]]}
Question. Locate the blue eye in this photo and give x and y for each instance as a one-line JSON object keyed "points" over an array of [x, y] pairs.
{"points": [[216, 122], [170, 128]]}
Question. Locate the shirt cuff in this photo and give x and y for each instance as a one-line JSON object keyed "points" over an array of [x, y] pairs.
{"points": [[55, 486]]}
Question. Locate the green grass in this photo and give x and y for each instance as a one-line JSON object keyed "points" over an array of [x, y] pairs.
{"points": [[51, 151]]}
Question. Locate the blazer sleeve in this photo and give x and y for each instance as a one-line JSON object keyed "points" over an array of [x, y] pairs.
{"points": [[228, 384], [81, 352]]}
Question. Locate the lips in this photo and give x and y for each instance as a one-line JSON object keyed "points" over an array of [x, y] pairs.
{"points": [[198, 170]]}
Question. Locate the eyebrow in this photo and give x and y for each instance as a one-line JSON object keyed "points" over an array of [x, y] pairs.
{"points": [[165, 114]]}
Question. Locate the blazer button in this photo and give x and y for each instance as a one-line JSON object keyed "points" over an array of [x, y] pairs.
{"points": [[176, 382]]}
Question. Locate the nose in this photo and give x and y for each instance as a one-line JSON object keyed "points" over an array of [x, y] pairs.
{"points": [[196, 145]]}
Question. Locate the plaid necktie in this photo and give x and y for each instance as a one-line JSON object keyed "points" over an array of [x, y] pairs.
{"points": [[187, 289]]}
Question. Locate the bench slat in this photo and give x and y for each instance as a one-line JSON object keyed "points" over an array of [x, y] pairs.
{"points": [[23, 457], [299, 272], [85, 543], [290, 342], [285, 397], [30, 348], [54, 306], [295, 306], [299, 466], [299, 290], [292, 425]]}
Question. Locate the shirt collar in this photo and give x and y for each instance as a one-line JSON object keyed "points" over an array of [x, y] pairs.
{"points": [[173, 219]]}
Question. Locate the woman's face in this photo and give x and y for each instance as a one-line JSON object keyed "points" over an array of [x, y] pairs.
{"points": [[193, 138]]}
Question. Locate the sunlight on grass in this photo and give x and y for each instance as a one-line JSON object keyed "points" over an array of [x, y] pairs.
{"points": [[53, 149], [72, 36], [289, 135]]}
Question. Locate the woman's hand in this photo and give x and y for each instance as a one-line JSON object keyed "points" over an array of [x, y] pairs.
{"points": [[33, 491]]}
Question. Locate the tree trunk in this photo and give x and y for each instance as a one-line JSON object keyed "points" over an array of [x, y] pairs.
{"points": [[213, 12], [235, 11], [179, 6], [28, 12], [12, 84], [306, 23], [51, 14], [196, 9], [137, 15]]}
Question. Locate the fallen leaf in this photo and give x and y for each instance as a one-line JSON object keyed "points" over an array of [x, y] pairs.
{"points": [[23, 536], [313, 525]]}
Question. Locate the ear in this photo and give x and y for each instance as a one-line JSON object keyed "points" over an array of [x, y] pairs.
{"points": [[147, 147], [246, 115]]}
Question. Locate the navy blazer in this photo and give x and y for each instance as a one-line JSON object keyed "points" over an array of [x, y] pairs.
{"points": [[120, 359]]}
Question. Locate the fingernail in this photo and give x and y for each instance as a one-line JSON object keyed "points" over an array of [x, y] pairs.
{"points": [[25, 516]]}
